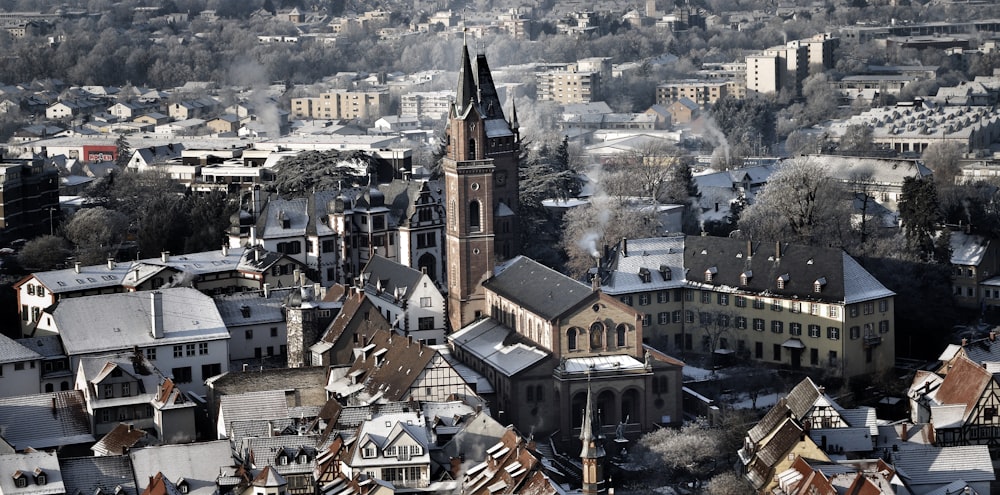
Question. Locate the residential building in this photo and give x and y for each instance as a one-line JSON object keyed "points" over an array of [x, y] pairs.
{"points": [[263, 405], [128, 387], [808, 476], [369, 103], [56, 373], [975, 264], [880, 178], [120, 440], [291, 456], [256, 322], [578, 82], [358, 320], [158, 323], [212, 272], [390, 367], [786, 66], [394, 448], [409, 298], [426, 105], [20, 368], [544, 327], [29, 199], [481, 188], [704, 92], [783, 305], [192, 109]]}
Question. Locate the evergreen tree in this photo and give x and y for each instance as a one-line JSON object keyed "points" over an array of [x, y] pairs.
{"points": [[123, 152], [920, 212]]}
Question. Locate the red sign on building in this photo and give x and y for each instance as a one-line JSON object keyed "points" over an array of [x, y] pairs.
{"points": [[99, 153]]}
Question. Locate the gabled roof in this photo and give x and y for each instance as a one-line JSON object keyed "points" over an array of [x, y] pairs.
{"points": [[968, 249], [251, 308], [964, 384], [196, 463], [391, 277], [60, 419], [511, 466], [390, 364], [160, 485], [26, 464], [940, 465], [536, 287], [87, 474], [112, 322], [489, 341], [14, 351], [358, 313], [265, 404], [269, 477], [661, 259], [117, 441]]}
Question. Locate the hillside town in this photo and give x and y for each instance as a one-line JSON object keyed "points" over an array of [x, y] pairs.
{"points": [[306, 247]]}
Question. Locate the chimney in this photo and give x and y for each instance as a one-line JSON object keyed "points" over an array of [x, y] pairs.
{"points": [[296, 276], [225, 250], [267, 290], [165, 256], [624, 247], [131, 428], [965, 342], [777, 250], [749, 249], [111, 263], [256, 254], [256, 202], [253, 235], [456, 465], [76, 266], [136, 273], [156, 314], [902, 435]]}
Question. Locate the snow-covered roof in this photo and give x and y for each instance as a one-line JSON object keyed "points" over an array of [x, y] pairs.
{"points": [[485, 340], [967, 249]]}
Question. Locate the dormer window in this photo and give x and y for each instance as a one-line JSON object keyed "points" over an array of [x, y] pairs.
{"points": [[303, 458], [745, 277], [644, 275], [782, 280], [283, 460], [368, 452], [710, 273], [818, 284], [665, 272], [183, 486], [20, 480]]}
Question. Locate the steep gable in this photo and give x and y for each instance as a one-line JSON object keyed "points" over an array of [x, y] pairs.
{"points": [[964, 384]]}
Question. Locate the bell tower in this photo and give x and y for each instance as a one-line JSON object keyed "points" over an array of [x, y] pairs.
{"points": [[480, 175]]}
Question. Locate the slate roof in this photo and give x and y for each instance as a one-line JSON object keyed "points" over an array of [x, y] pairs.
{"points": [[401, 196], [198, 463], [265, 450], [845, 279], [265, 404], [27, 463], [45, 345], [508, 467], [650, 255], [251, 308], [87, 474], [536, 287], [389, 276], [942, 465], [111, 322], [58, 418], [14, 351]]}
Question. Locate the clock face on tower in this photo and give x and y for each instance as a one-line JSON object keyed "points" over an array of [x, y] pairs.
{"points": [[500, 177]]}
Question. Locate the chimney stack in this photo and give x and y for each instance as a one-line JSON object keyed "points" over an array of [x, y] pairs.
{"points": [[111, 263], [165, 256], [253, 235], [76, 266], [267, 290], [156, 314], [777, 250], [749, 249], [624, 247], [225, 250]]}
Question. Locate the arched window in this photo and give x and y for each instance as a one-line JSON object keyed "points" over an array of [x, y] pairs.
{"points": [[474, 221], [49, 387], [621, 330], [471, 151], [571, 339], [596, 335]]}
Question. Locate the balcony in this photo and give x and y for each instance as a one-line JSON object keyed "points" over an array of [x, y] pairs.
{"points": [[872, 340]]}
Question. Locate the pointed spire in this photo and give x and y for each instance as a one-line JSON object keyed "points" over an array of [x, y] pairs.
{"points": [[513, 116], [591, 449], [466, 93]]}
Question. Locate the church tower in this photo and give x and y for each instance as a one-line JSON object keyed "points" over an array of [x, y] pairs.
{"points": [[592, 453], [481, 188]]}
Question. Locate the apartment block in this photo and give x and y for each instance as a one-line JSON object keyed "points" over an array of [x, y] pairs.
{"points": [[362, 104]]}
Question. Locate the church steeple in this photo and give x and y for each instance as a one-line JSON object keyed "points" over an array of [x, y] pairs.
{"points": [[592, 452], [466, 94]]}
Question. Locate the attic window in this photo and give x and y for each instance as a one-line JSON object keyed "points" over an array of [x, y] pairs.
{"points": [[782, 280], [245, 310], [283, 460], [20, 480], [368, 452], [665, 272], [644, 275], [745, 277], [818, 284], [710, 273], [183, 486]]}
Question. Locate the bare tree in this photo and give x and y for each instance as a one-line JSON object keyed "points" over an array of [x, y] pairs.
{"points": [[603, 222], [943, 158], [800, 203]]}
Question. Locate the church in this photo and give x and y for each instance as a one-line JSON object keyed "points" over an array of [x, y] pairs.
{"points": [[544, 340]]}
